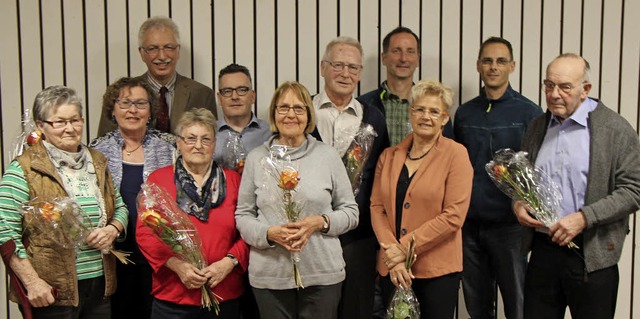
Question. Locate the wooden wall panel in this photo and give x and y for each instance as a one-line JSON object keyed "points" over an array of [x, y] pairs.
{"points": [[89, 44]]}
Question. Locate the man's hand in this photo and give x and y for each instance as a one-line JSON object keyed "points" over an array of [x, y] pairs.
{"points": [[520, 209], [567, 228]]}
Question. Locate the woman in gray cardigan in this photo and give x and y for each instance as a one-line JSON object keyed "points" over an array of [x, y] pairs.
{"points": [[329, 210]]}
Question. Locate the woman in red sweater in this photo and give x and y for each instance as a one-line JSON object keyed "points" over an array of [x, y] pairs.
{"points": [[208, 194]]}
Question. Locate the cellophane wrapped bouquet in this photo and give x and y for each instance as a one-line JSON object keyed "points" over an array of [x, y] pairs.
{"points": [[28, 135], [357, 154], [514, 175], [235, 154], [160, 213], [404, 304], [63, 221], [60, 220], [282, 171]]}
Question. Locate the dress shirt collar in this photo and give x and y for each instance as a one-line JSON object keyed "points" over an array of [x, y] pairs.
{"points": [[354, 107], [171, 85]]}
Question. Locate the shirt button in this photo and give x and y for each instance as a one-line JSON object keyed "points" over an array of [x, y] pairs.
{"points": [[407, 205]]}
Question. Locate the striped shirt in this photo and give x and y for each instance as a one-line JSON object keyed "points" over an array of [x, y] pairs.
{"points": [[14, 191]]}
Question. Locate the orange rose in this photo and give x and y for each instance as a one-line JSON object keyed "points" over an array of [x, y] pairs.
{"points": [[288, 179], [152, 218], [499, 170], [356, 152], [240, 166], [50, 212]]}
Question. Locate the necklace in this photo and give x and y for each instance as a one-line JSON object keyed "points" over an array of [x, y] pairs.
{"points": [[131, 151], [419, 157]]}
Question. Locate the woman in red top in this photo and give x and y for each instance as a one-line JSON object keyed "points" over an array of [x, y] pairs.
{"points": [[209, 195]]}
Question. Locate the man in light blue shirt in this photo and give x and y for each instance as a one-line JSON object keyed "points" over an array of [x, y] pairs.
{"points": [[236, 98], [593, 154]]}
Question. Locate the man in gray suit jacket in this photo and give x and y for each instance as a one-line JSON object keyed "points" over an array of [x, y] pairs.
{"points": [[159, 47]]}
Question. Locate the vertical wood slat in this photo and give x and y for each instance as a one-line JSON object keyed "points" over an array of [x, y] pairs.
{"points": [[89, 44]]}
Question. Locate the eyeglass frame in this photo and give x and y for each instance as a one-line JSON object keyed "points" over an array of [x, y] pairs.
{"points": [[132, 103], [339, 67], [64, 123], [567, 90], [280, 109], [229, 91], [427, 111], [499, 61], [193, 140], [156, 49]]}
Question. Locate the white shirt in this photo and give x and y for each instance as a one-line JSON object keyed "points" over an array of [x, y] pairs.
{"points": [[337, 128]]}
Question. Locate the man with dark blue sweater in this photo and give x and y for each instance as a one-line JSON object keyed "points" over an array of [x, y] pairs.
{"points": [[400, 56], [494, 120]]}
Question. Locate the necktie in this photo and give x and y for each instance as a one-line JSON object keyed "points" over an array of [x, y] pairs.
{"points": [[162, 120]]}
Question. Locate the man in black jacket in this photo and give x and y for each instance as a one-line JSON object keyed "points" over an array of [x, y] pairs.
{"points": [[339, 117]]}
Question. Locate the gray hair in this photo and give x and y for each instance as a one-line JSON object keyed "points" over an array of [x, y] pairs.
{"points": [[433, 88], [196, 116], [341, 40], [52, 97], [158, 22], [570, 55]]}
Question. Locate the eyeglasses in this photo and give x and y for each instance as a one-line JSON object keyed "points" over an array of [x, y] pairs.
{"points": [[499, 61], [297, 109], [241, 91], [78, 122], [339, 66], [549, 86], [154, 50], [125, 104], [432, 112], [192, 140]]}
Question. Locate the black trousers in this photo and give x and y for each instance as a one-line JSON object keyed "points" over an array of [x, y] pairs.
{"points": [[132, 299], [315, 302], [358, 288], [229, 309], [92, 305], [556, 279], [438, 296]]}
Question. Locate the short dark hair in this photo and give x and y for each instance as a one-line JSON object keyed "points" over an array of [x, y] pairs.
{"points": [[234, 68], [496, 40], [113, 92], [400, 29]]}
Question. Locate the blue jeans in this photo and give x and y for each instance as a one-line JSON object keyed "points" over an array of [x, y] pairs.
{"points": [[492, 255], [92, 304]]}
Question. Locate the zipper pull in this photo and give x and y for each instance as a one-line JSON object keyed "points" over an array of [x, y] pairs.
{"points": [[488, 108]]}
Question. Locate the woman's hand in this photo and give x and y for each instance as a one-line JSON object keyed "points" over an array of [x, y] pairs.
{"points": [[190, 275], [400, 276], [40, 293], [279, 234], [520, 209], [393, 255], [102, 238], [218, 271], [305, 228]]}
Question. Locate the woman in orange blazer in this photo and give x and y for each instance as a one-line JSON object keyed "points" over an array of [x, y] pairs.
{"points": [[422, 188]]}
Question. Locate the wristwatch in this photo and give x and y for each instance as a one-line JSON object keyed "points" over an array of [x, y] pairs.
{"points": [[234, 260], [325, 223]]}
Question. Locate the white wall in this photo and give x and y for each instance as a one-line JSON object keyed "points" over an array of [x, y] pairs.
{"points": [[89, 44]]}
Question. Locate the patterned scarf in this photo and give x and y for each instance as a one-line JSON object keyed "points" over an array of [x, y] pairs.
{"points": [[78, 175], [195, 201]]}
